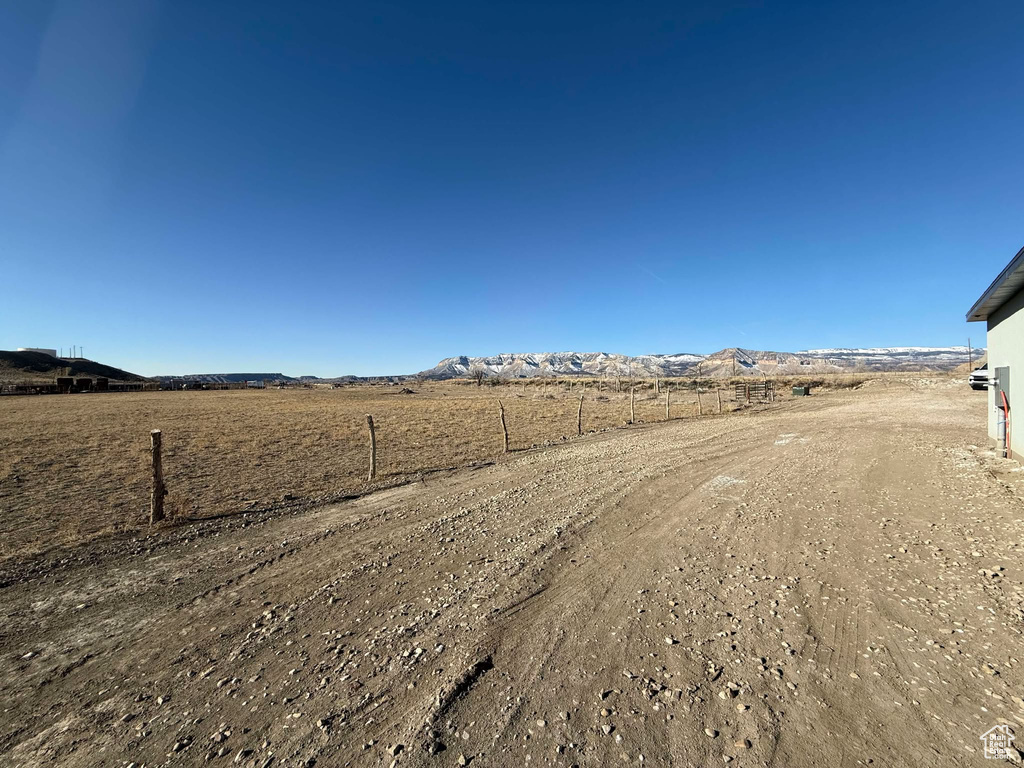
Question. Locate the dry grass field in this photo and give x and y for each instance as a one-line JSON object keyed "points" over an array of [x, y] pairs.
{"points": [[72, 467], [75, 467]]}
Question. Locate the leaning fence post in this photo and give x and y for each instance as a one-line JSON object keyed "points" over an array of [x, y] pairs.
{"points": [[632, 412], [156, 502], [504, 427], [668, 403], [579, 418], [373, 447], [719, 392]]}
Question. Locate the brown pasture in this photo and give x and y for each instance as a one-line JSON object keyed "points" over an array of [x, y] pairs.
{"points": [[75, 466]]}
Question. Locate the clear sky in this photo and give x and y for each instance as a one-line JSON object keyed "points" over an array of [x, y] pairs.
{"points": [[341, 187]]}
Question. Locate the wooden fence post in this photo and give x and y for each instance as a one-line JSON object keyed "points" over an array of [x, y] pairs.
{"points": [[668, 404], [700, 409], [719, 391], [156, 501], [657, 385], [373, 447], [579, 418], [504, 427], [632, 411]]}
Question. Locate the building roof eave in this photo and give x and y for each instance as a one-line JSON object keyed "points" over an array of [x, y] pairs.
{"points": [[1009, 281]]}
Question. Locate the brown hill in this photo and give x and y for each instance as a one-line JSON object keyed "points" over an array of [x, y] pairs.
{"points": [[17, 367], [968, 367], [735, 361]]}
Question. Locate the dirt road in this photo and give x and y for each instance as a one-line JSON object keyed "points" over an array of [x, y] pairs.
{"points": [[833, 583]]}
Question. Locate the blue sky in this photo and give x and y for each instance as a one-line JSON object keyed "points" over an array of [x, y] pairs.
{"points": [[332, 188]]}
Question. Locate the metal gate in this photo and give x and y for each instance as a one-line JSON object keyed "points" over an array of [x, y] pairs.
{"points": [[756, 391]]}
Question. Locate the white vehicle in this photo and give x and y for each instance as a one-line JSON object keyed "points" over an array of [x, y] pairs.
{"points": [[979, 377]]}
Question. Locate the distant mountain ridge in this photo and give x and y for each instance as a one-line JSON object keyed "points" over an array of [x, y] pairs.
{"points": [[564, 364], [228, 378], [733, 361]]}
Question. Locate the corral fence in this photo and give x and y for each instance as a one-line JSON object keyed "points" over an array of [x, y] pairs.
{"points": [[66, 385], [755, 391]]}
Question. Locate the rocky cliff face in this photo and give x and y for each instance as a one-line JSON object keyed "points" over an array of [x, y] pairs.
{"points": [[733, 361], [563, 364]]}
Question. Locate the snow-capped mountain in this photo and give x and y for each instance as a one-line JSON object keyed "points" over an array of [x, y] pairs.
{"points": [[563, 364], [888, 355], [727, 362]]}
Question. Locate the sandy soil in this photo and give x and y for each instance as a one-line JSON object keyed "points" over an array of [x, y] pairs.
{"points": [[836, 582]]}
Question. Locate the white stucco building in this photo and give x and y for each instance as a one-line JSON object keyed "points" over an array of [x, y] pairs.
{"points": [[44, 350], [1001, 306]]}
